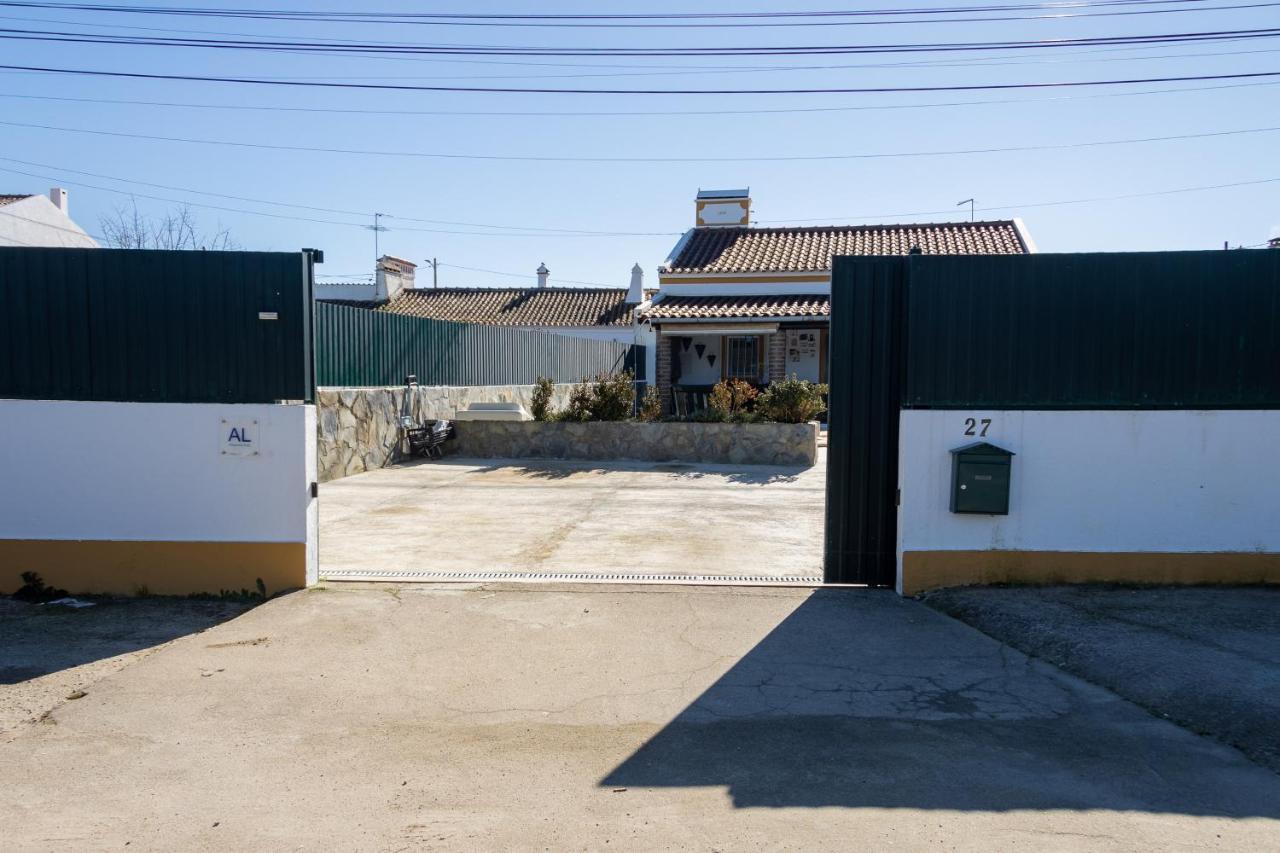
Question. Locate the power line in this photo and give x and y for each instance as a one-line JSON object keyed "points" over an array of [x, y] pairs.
{"points": [[1055, 12], [345, 47], [1058, 8], [981, 61], [525, 275], [527, 158], [516, 90], [1032, 205], [497, 232], [635, 113]]}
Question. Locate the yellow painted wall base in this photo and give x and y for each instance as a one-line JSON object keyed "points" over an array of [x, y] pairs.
{"points": [[161, 568], [925, 570]]}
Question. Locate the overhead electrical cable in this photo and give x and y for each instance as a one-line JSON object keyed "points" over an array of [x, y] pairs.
{"points": [[415, 49], [540, 158], [1058, 13], [401, 87], [635, 113], [398, 17]]}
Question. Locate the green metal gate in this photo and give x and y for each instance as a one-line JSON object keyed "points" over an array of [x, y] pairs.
{"points": [[155, 326]]}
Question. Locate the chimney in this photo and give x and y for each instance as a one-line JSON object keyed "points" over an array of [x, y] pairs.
{"points": [[543, 272], [393, 275], [58, 196], [723, 208], [635, 293]]}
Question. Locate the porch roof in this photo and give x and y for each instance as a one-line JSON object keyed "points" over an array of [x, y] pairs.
{"points": [[770, 307]]}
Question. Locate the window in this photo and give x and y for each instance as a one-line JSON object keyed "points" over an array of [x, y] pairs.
{"points": [[744, 357]]}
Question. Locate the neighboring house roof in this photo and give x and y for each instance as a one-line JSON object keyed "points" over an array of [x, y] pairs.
{"points": [[517, 306], [10, 199], [757, 250], [721, 307]]}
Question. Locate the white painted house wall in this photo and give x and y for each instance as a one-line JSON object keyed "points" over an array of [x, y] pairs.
{"points": [[37, 221], [78, 470], [695, 369], [1100, 481]]}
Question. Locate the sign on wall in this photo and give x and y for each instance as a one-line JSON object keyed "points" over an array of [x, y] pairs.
{"points": [[238, 437]]}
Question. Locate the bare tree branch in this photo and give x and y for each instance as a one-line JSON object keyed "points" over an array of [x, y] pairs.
{"points": [[129, 228]]}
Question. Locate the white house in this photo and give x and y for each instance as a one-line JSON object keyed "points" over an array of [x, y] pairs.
{"points": [[37, 220]]}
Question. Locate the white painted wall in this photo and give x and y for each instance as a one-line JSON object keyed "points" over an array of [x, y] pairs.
{"points": [[1100, 481], [695, 369], [36, 221], [804, 358], [356, 291], [155, 472]]}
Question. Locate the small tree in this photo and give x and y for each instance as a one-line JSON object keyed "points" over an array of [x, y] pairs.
{"points": [[732, 397], [651, 405], [792, 401], [540, 404]]}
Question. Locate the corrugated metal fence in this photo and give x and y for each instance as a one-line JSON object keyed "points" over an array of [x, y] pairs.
{"points": [[358, 347], [155, 326], [1156, 330]]}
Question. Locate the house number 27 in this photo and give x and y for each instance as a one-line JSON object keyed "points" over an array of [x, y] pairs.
{"points": [[973, 426]]}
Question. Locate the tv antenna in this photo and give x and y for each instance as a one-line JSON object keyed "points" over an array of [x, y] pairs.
{"points": [[969, 202]]}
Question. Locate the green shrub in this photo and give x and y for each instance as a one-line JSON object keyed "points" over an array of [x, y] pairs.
{"points": [[613, 396], [540, 405], [579, 408], [792, 401], [650, 405]]}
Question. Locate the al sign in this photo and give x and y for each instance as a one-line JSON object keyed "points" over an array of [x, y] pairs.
{"points": [[238, 437]]}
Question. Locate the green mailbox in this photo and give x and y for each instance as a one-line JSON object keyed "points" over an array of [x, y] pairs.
{"points": [[980, 479]]}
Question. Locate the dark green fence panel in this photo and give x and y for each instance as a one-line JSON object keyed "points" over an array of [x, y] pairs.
{"points": [[1161, 330], [865, 367], [358, 347], [155, 326]]}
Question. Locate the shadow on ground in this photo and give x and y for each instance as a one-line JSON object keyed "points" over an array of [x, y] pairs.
{"points": [[36, 640], [1207, 658], [859, 699]]}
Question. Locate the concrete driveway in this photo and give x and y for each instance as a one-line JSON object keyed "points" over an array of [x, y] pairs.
{"points": [[613, 718], [485, 520]]}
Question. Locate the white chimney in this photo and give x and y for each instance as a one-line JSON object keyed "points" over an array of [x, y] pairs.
{"points": [[543, 272], [58, 196], [393, 275], [635, 293]]}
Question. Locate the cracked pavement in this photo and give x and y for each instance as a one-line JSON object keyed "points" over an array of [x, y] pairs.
{"points": [[354, 717]]}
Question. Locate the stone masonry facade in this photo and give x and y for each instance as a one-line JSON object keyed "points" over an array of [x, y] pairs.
{"points": [[358, 429], [728, 444]]}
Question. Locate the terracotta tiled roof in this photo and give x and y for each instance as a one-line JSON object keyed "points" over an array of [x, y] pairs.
{"points": [[751, 250], [523, 306], [721, 307], [10, 199]]}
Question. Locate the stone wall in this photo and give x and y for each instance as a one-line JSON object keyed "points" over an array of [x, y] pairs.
{"points": [[358, 429], [736, 444]]}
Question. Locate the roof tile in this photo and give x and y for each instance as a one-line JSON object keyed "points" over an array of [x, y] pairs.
{"points": [[755, 250], [550, 306], [723, 307]]}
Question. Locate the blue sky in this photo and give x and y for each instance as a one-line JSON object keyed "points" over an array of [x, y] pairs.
{"points": [[646, 205]]}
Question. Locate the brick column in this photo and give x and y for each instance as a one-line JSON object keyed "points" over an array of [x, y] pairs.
{"points": [[775, 360], [663, 368]]}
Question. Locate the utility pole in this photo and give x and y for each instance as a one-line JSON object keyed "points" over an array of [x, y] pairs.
{"points": [[969, 202], [435, 269]]}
